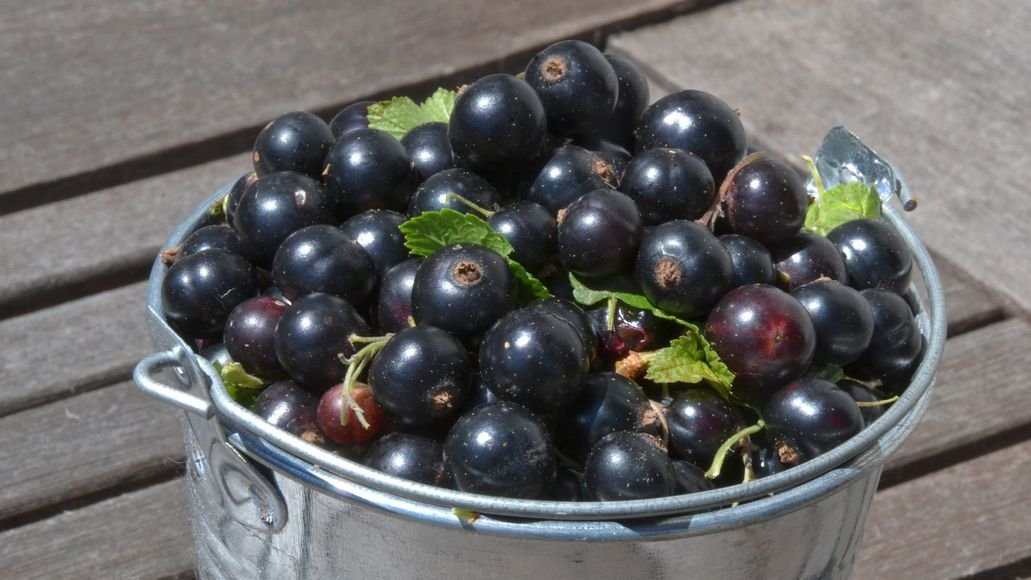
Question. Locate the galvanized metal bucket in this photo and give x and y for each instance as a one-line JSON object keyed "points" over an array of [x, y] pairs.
{"points": [[266, 504]]}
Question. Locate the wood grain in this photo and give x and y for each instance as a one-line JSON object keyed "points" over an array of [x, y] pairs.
{"points": [[104, 237], [142, 534], [77, 346], [981, 392], [86, 88], [939, 88], [82, 445], [963, 520]]}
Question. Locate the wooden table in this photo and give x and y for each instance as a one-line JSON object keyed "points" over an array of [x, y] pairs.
{"points": [[117, 119]]}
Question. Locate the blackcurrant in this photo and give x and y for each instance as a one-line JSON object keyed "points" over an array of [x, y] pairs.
{"points": [[764, 336], [668, 184], [875, 255], [236, 191], [350, 118], [690, 478], [599, 233], [563, 175], [630, 104], [607, 403], [683, 269], [291, 408], [861, 393], [698, 123], [377, 231], [535, 359], [421, 377], [497, 122], [464, 289], [412, 457], [530, 229], [627, 466], [276, 206], [896, 344], [250, 336], [429, 148], [842, 318], [369, 169], [500, 449], [312, 337], [805, 258], [339, 421], [765, 199], [200, 291], [700, 421], [752, 263], [575, 316], [576, 84], [808, 418], [296, 141], [217, 237], [439, 191], [632, 330], [322, 258], [394, 307]]}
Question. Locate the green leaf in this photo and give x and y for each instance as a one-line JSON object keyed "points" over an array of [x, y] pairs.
{"points": [[528, 283], [433, 230], [832, 373], [690, 359], [590, 297], [466, 516], [400, 115], [242, 386], [840, 204]]}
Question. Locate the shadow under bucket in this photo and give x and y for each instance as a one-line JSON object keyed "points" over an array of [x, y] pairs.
{"points": [[266, 504]]}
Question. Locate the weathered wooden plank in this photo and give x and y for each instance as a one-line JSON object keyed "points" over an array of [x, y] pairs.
{"points": [[981, 392], [108, 237], [968, 305], [74, 347], [966, 519], [82, 445], [142, 534], [937, 87], [88, 88]]}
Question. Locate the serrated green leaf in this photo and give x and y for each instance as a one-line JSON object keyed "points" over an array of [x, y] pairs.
{"points": [[840, 204], [528, 283], [400, 115], [589, 297], [690, 359], [432, 230], [242, 386]]}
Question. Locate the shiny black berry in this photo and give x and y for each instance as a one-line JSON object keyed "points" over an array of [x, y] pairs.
{"points": [[497, 122], [296, 141], [322, 258], [291, 408], [751, 261], [217, 237], [896, 344], [500, 449], [607, 403], [861, 393], [369, 169], [250, 336], [683, 269], [394, 306], [626, 466], [842, 318], [377, 230], [805, 258], [407, 456], [765, 199], [632, 330], [698, 123], [200, 291], [630, 104], [276, 206], [439, 191], [421, 377], [577, 86], [239, 187], [463, 289], [808, 418], [700, 421], [690, 478], [875, 255], [535, 359], [313, 335], [599, 233], [668, 184], [429, 148], [563, 175], [530, 229], [351, 118]]}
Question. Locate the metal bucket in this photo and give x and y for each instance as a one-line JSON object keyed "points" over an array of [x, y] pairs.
{"points": [[266, 504]]}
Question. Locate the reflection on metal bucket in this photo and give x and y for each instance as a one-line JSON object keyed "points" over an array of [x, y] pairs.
{"points": [[267, 505]]}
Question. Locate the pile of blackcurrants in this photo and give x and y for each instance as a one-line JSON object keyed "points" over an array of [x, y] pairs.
{"points": [[517, 305]]}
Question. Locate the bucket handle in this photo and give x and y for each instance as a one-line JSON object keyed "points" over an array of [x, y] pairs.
{"points": [[143, 376]]}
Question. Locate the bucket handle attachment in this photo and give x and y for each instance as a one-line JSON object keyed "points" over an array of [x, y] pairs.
{"points": [[143, 376]]}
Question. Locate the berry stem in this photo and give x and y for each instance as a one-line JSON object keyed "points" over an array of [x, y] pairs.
{"points": [[877, 403], [817, 179], [355, 367], [610, 313], [736, 438], [486, 213]]}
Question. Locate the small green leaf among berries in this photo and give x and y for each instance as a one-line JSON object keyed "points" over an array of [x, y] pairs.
{"points": [[400, 115], [689, 359], [242, 386], [842, 203]]}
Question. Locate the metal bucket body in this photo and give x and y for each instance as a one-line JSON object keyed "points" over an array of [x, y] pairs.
{"points": [[267, 505]]}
